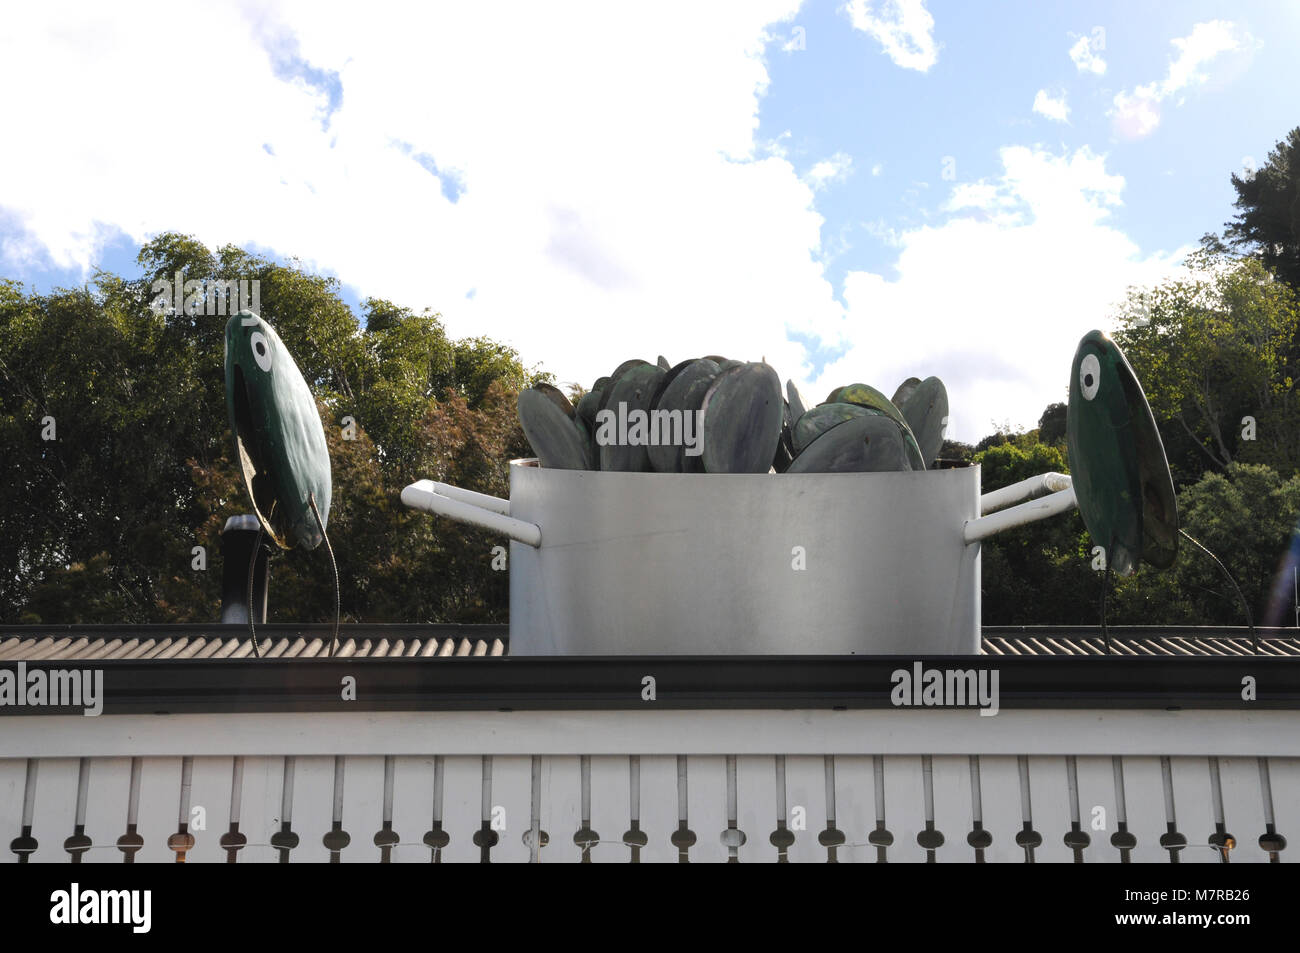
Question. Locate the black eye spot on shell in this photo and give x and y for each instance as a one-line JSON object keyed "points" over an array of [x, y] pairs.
{"points": [[261, 349], [1090, 376]]}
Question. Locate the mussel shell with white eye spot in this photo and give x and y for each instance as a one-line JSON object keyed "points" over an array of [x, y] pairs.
{"points": [[279, 440], [1089, 376], [1120, 475]]}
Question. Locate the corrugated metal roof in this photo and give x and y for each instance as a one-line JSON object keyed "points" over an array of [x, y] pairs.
{"points": [[63, 645], [1220, 643], [50, 643]]}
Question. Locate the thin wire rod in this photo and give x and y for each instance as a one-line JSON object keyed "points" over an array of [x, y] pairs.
{"points": [[1245, 605], [334, 637], [252, 564], [1105, 588]]}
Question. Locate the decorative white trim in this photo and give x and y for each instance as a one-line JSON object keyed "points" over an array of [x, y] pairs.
{"points": [[740, 732]]}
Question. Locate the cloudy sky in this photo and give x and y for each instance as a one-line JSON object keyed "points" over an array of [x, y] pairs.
{"points": [[854, 192]]}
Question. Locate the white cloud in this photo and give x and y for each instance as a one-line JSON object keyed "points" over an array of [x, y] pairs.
{"points": [[1137, 113], [598, 220], [1086, 54], [995, 298], [1052, 108], [1206, 41], [904, 28], [614, 203], [834, 169], [878, 168]]}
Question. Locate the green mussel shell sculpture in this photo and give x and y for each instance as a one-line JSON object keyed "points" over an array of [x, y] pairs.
{"points": [[279, 440], [925, 408], [1117, 460]]}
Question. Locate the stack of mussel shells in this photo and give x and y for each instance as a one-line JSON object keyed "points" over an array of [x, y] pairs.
{"points": [[713, 415]]}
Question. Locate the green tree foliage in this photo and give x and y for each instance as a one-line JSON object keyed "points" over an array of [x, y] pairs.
{"points": [[956, 451], [1245, 516], [95, 524], [1038, 573], [1216, 351], [1051, 425], [99, 524], [1211, 349], [1268, 203], [1043, 573]]}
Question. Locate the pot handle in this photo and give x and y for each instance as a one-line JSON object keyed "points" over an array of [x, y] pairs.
{"points": [[476, 509], [483, 500]]}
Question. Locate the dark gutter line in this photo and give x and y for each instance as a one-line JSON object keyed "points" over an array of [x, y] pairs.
{"points": [[680, 682]]}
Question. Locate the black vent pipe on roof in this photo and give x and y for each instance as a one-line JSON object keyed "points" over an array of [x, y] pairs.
{"points": [[237, 541]]}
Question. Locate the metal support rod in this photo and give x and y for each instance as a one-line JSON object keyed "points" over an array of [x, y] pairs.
{"points": [[1029, 489], [240, 572], [421, 496], [1031, 512]]}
